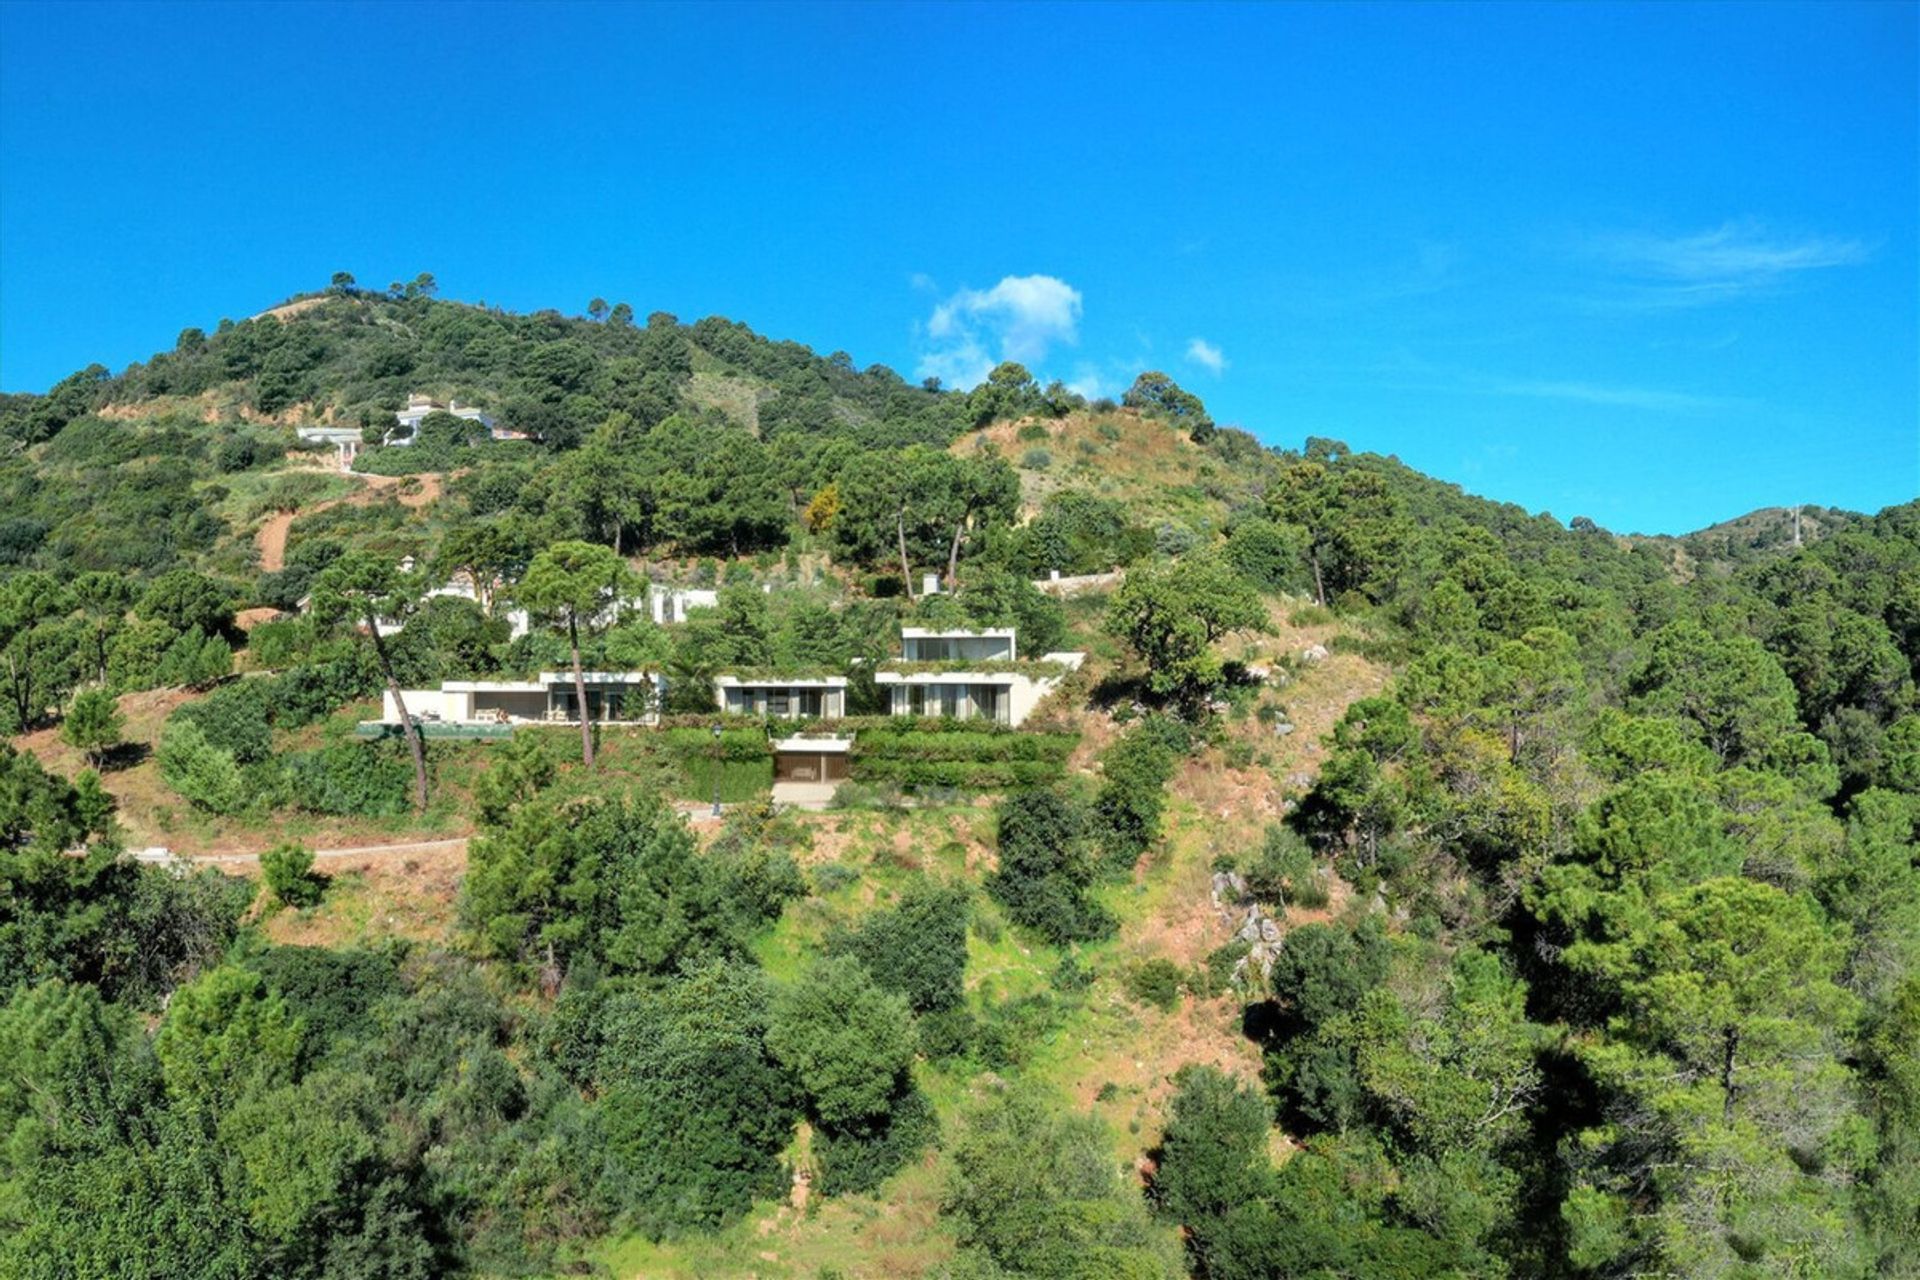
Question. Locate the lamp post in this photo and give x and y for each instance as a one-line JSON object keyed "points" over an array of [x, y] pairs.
{"points": [[716, 770]]}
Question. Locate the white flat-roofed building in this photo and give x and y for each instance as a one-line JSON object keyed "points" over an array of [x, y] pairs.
{"points": [[782, 697], [970, 675], [613, 697], [345, 441], [670, 604]]}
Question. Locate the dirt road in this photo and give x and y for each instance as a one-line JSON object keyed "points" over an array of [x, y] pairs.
{"points": [[272, 537]]}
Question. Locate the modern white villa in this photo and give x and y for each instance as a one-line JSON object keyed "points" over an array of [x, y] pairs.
{"points": [[970, 675], [782, 697], [406, 422], [613, 697]]}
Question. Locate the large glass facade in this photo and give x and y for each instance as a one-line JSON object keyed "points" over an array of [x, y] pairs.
{"points": [[782, 702], [955, 701], [957, 648]]}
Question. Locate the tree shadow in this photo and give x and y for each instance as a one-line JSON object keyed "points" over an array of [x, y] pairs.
{"points": [[1116, 689], [124, 755]]}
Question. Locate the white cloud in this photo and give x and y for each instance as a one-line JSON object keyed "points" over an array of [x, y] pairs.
{"points": [[1021, 318], [1712, 266], [1202, 352]]}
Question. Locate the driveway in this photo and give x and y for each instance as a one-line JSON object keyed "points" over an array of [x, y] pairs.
{"points": [[804, 795]]}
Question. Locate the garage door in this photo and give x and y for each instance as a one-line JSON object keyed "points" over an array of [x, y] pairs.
{"points": [[809, 766], [796, 766]]}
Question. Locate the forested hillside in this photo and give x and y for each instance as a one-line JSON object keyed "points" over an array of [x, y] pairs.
{"points": [[1407, 885]]}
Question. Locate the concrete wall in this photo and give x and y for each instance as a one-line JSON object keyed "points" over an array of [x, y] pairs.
{"points": [[422, 702]]}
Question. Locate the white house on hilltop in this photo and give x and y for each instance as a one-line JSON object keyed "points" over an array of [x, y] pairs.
{"points": [[406, 427]]}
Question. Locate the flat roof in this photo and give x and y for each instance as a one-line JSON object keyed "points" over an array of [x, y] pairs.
{"points": [[815, 746], [955, 633], [781, 682], [599, 677]]}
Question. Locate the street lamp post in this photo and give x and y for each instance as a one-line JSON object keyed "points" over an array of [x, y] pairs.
{"points": [[716, 770]]}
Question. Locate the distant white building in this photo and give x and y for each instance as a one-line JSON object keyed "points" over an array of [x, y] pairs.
{"points": [[671, 604], [406, 423], [345, 441]]}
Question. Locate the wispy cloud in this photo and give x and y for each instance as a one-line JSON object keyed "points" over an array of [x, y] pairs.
{"points": [[1204, 353], [1730, 261], [1021, 318], [1649, 398], [1413, 374]]}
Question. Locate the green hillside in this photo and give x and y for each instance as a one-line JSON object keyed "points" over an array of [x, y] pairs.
{"points": [[1406, 884]]}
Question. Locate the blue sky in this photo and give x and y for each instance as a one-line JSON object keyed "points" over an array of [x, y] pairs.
{"points": [[1653, 264]]}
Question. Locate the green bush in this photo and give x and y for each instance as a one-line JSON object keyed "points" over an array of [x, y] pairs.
{"points": [[1283, 873], [857, 1159], [366, 779], [1045, 868], [1006, 1034], [288, 870], [883, 796], [916, 948], [235, 718], [1136, 769], [205, 776], [1156, 982], [1310, 615]]}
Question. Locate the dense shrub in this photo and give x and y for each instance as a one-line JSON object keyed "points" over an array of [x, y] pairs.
{"points": [[741, 761], [364, 779], [1046, 867], [1156, 982], [204, 775], [858, 1158], [236, 718], [288, 871], [916, 948], [1135, 772]]}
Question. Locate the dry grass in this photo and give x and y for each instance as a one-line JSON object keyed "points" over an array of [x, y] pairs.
{"points": [[1143, 462], [373, 899]]}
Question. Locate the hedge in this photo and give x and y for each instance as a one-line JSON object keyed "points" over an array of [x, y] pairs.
{"points": [[953, 754], [963, 775], [741, 762]]}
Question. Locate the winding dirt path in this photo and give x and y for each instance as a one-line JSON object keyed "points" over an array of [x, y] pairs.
{"points": [[271, 540]]}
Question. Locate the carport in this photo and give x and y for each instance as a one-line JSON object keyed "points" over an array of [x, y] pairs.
{"points": [[807, 770]]}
